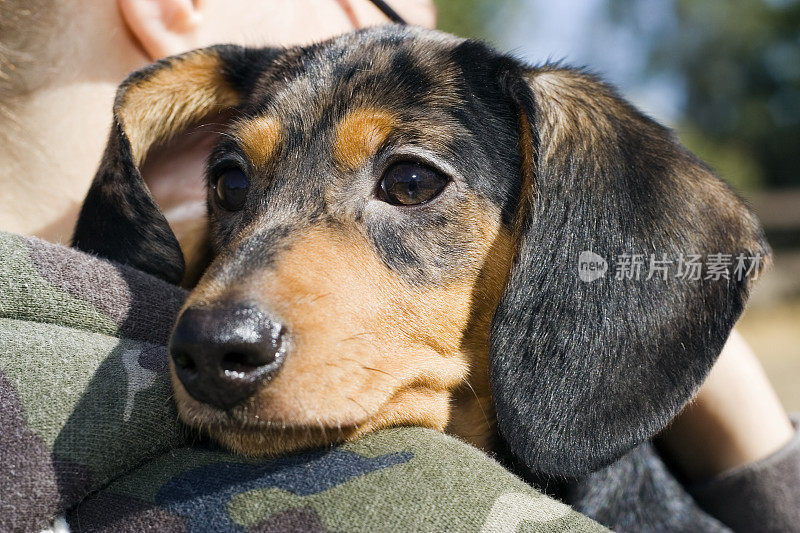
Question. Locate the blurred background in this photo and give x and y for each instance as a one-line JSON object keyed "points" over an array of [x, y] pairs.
{"points": [[726, 77]]}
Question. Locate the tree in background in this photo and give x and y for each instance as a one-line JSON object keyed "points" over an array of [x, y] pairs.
{"points": [[468, 18], [739, 64]]}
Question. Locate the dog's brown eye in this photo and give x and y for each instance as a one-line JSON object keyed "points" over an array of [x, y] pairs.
{"points": [[411, 184], [231, 189]]}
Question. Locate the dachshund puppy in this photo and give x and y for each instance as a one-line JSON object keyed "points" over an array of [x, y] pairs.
{"points": [[395, 218]]}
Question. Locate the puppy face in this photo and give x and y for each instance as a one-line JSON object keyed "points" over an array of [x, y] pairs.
{"points": [[359, 201], [395, 218]]}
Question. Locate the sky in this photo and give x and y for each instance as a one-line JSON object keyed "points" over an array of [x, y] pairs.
{"points": [[578, 33]]}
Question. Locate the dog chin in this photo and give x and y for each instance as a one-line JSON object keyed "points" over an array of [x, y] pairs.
{"points": [[269, 442], [248, 428], [240, 431]]}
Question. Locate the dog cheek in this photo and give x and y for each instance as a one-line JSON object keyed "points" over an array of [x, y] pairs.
{"points": [[412, 406], [357, 329]]}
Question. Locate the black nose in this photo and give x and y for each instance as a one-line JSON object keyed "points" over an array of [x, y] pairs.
{"points": [[222, 354]]}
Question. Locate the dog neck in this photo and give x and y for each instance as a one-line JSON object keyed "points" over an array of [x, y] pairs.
{"points": [[472, 417]]}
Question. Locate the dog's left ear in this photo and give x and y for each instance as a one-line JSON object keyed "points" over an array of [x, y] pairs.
{"points": [[119, 219], [583, 370]]}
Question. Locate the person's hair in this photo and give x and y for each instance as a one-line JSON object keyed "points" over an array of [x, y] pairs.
{"points": [[30, 35], [27, 30]]}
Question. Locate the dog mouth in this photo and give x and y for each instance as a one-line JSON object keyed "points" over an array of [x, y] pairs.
{"points": [[267, 427], [251, 429], [245, 421], [249, 418], [244, 430]]}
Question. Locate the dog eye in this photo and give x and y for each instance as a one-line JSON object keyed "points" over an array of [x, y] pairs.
{"points": [[411, 184], [231, 188]]}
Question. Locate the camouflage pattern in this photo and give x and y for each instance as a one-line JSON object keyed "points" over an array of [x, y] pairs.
{"points": [[89, 430]]}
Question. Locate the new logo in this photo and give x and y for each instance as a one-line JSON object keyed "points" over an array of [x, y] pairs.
{"points": [[591, 266]]}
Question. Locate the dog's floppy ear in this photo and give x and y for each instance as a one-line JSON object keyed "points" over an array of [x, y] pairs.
{"points": [[582, 371], [119, 219]]}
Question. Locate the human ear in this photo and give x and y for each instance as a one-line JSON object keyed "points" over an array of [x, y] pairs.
{"points": [[163, 27]]}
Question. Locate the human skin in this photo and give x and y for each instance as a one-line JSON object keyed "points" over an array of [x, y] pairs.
{"points": [[736, 418], [52, 150], [55, 133]]}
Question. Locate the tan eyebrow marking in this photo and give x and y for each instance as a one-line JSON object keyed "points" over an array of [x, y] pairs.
{"points": [[259, 138], [360, 134]]}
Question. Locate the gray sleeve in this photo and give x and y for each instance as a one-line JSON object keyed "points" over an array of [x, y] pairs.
{"points": [[762, 496]]}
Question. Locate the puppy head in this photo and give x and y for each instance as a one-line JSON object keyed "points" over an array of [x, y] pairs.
{"points": [[396, 212]]}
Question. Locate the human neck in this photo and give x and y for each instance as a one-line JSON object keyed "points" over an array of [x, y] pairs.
{"points": [[52, 135], [50, 152]]}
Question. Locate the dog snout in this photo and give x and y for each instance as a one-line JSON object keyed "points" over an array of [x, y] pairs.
{"points": [[223, 354]]}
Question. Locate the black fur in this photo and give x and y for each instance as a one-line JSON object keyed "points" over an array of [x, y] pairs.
{"points": [[582, 372], [119, 219]]}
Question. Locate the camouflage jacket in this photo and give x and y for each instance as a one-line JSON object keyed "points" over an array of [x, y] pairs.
{"points": [[89, 431]]}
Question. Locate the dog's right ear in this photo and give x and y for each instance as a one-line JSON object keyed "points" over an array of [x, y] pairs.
{"points": [[583, 369], [119, 219]]}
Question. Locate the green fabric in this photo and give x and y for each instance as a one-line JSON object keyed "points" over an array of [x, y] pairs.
{"points": [[86, 396], [408, 479], [28, 296], [89, 430]]}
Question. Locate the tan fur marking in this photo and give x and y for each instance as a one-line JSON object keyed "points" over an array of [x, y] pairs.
{"points": [[567, 104], [368, 350], [526, 149], [360, 134], [172, 98], [259, 138]]}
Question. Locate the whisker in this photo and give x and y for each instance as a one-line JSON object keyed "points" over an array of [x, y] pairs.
{"points": [[361, 406], [381, 371], [480, 405], [360, 337], [319, 297]]}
